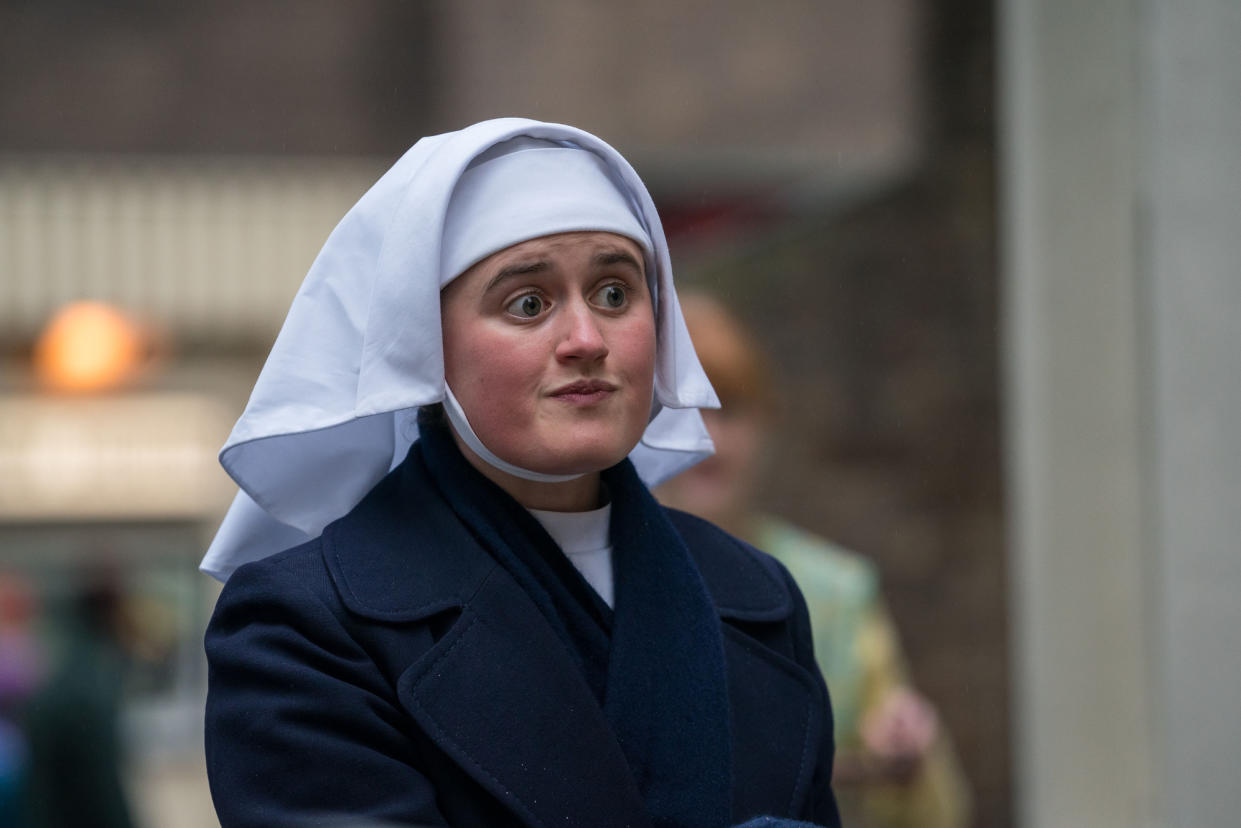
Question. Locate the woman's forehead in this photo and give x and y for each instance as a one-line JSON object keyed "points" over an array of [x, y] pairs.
{"points": [[587, 241], [544, 252]]}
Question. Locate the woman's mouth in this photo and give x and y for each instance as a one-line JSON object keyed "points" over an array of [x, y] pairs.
{"points": [[583, 392]]}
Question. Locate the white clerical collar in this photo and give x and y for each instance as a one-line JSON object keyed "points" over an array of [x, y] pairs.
{"points": [[584, 539], [577, 532]]}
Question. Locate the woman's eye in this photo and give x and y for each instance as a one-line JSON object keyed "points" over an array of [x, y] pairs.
{"points": [[612, 296], [528, 306]]}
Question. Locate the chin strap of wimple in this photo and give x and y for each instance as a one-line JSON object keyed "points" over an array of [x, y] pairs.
{"points": [[461, 425]]}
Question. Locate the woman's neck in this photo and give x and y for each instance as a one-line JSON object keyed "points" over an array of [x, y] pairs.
{"points": [[578, 495]]}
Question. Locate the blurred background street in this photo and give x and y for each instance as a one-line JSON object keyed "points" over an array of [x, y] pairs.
{"points": [[1021, 436]]}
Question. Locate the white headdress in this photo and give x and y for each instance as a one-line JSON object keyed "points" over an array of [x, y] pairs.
{"points": [[361, 349]]}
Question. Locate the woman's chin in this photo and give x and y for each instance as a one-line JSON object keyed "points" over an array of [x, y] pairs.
{"points": [[580, 460], [574, 449]]}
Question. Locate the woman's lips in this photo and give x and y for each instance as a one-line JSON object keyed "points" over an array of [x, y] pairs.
{"points": [[583, 392]]}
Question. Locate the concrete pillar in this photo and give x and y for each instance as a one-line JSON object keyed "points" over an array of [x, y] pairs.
{"points": [[1191, 208], [1122, 276]]}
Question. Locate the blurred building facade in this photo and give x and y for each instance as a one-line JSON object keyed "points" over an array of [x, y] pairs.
{"points": [[826, 165], [1122, 237]]}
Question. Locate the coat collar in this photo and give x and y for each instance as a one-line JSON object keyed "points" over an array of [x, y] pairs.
{"points": [[387, 557], [744, 583], [499, 693], [402, 555]]}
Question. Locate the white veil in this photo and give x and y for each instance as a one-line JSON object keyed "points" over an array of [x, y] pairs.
{"points": [[334, 408]]}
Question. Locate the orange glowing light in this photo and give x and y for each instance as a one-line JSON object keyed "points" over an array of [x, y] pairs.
{"points": [[88, 346]]}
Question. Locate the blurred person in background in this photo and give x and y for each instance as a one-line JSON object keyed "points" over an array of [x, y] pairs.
{"points": [[450, 597], [21, 665], [72, 722], [894, 766]]}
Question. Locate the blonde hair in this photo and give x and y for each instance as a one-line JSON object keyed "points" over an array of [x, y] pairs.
{"points": [[728, 350]]}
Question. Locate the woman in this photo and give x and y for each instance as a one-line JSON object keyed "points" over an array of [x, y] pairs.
{"points": [[484, 618], [895, 766]]}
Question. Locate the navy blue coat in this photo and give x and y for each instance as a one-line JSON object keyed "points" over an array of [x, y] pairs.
{"points": [[390, 670]]}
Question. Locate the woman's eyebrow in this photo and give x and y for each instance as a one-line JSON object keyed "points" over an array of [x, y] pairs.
{"points": [[517, 269], [604, 258], [614, 257]]}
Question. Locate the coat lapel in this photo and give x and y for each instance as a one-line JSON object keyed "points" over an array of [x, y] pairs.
{"points": [[502, 697], [777, 722], [777, 707], [498, 692]]}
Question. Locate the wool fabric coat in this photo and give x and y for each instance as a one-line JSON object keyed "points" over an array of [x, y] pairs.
{"points": [[392, 671]]}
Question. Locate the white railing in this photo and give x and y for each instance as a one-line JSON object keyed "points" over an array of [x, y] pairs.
{"points": [[211, 248]]}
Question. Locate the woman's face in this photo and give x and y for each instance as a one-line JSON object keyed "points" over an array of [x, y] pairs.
{"points": [[549, 345], [721, 487]]}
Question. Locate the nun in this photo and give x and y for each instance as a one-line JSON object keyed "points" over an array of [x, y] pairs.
{"points": [[450, 598]]}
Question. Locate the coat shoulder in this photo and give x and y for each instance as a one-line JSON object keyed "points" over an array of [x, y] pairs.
{"points": [[298, 570], [746, 583]]}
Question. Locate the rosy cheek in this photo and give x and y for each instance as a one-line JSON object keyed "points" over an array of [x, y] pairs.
{"points": [[645, 356], [497, 367]]}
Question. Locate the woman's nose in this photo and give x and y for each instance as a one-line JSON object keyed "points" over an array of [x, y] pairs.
{"points": [[582, 337]]}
